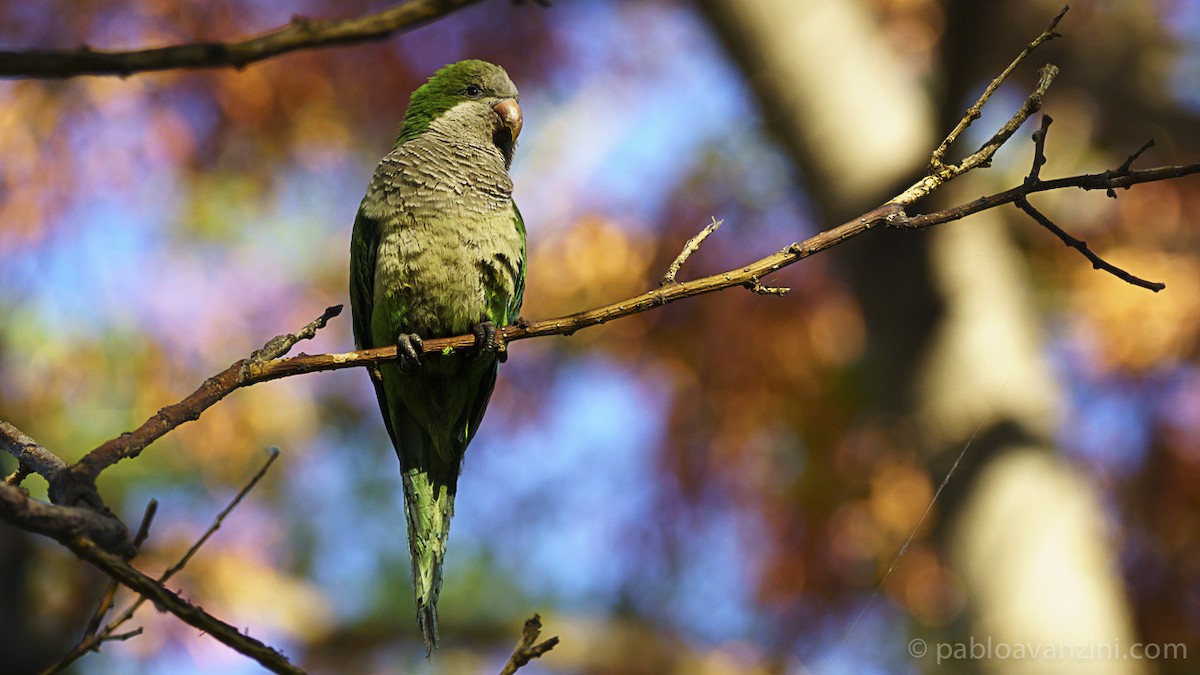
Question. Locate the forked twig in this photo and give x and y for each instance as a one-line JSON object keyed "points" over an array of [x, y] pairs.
{"points": [[528, 648], [95, 637], [976, 110], [106, 601]]}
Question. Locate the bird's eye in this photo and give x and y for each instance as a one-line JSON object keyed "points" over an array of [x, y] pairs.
{"points": [[473, 90]]}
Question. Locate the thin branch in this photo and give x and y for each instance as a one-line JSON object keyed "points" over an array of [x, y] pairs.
{"points": [[143, 530], [528, 648], [300, 33], [169, 601], [1081, 246], [121, 637], [93, 638], [757, 286], [976, 111], [983, 156], [249, 372], [282, 344], [33, 458], [689, 248], [1128, 163], [110, 593], [1108, 180], [1039, 151], [272, 455]]}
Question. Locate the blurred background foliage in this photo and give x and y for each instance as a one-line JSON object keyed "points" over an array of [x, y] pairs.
{"points": [[713, 486]]}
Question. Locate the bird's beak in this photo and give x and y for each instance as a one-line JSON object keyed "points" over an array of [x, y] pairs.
{"points": [[510, 116]]}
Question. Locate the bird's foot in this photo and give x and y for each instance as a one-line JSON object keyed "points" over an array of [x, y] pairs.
{"points": [[408, 348], [487, 342]]}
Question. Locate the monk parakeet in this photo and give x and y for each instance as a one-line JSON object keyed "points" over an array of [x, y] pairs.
{"points": [[439, 250]]}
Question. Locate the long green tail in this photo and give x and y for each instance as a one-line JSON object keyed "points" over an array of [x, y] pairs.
{"points": [[429, 505], [433, 415]]}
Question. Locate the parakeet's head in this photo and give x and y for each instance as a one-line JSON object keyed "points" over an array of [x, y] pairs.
{"points": [[469, 102]]}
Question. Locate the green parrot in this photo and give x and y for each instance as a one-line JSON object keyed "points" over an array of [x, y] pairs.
{"points": [[438, 250]]}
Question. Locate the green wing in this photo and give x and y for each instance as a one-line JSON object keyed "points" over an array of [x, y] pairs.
{"points": [[364, 246], [514, 304]]}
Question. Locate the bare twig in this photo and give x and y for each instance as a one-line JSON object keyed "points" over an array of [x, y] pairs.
{"points": [[1039, 150], [282, 344], [1128, 163], [758, 287], [1081, 246], [689, 248], [528, 648], [300, 33], [982, 157], [169, 601], [975, 111], [272, 455], [143, 530], [93, 638], [106, 601]]}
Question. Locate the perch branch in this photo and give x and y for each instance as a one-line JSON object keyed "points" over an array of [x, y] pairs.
{"points": [[299, 33], [83, 474], [250, 371], [528, 648]]}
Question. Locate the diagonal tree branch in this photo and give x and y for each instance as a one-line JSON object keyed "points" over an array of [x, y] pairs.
{"points": [[251, 371], [1081, 246], [61, 522], [95, 636], [31, 457], [300, 33], [76, 480], [189, 613]]}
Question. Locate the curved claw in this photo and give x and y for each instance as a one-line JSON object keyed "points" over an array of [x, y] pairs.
{"points": [[485, 340], [408, 348]]}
